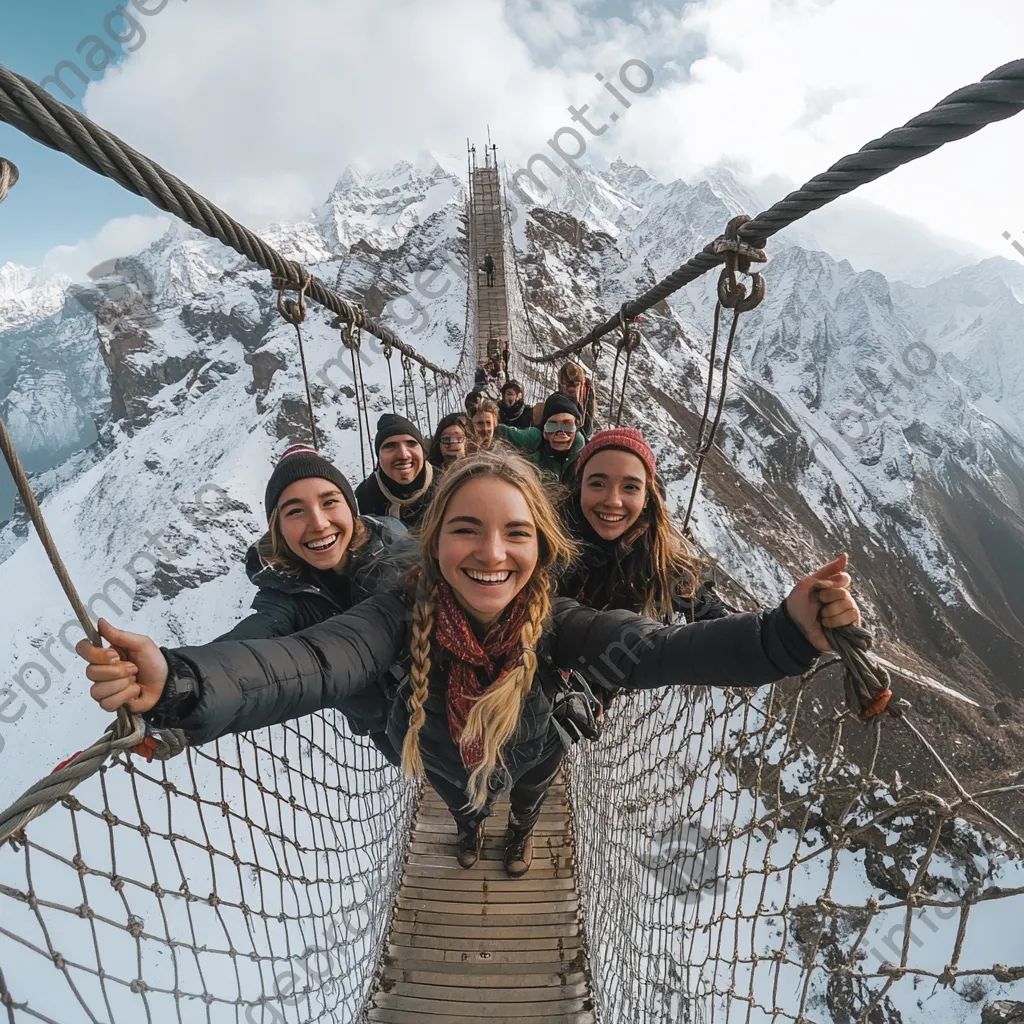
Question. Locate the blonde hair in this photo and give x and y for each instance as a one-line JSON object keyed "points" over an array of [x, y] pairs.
{"points": [[494, 717]]}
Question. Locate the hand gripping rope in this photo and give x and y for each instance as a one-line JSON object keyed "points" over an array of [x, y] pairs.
{"points": [[129, 731]]}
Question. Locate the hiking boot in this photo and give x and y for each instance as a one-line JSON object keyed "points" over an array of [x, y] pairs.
{"points": [[519, 845], [470, 841]]}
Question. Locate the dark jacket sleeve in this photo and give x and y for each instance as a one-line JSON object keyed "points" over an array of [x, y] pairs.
{"points": [[274, 614], [620, 649], [243, 685]]}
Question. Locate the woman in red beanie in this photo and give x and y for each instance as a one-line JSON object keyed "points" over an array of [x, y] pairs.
{"points": [[631, 555]]}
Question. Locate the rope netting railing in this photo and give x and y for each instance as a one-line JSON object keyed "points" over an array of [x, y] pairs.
{"points": [[249, 881], [741, 858], [31, 109]]}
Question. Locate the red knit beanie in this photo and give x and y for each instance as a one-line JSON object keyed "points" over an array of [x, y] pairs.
{"points": [[621, 437]]}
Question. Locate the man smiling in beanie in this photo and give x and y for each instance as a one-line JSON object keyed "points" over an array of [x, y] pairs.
{"points": [[555, 447], [403, 483]]}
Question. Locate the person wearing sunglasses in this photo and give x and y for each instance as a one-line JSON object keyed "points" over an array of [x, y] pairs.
{"points": [[452, 440], [555, 447]]}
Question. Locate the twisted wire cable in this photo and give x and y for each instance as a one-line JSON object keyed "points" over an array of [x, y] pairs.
{"points": [[999, 95], [32, 110]]}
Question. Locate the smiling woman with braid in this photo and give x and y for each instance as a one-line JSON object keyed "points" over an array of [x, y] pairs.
{"points": [[487, 641]]}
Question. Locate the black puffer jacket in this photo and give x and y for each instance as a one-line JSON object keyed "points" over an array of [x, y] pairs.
{"points": [[596, 578], [252, 684], [286, 604]]}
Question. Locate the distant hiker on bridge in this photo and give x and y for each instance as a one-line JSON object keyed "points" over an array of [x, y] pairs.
{"points": [[451, 441], [489, 269], [553, 448], [631, 554], [485, 423], [318, 558], [513, 411], [403, 482], [487, 643], [487, 377]]}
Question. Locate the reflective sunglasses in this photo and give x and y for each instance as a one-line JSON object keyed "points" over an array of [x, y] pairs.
{"points": [[555, 428], [452, 442]]}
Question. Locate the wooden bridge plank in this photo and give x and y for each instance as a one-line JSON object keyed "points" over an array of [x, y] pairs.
{"points": [[427, 972], [478, 1010], [482, 895], [484, 931], [457, 921], [569, 961], [471, 881], [480, 908], [426, 867], [532, 949], [380, 1015], [498, 989]]}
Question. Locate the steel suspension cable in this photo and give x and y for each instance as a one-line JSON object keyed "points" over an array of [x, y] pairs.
{"points": [[32, 110], [999, 95]]}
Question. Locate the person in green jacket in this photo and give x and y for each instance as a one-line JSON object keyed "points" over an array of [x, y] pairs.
{"points": [[555, 447]]}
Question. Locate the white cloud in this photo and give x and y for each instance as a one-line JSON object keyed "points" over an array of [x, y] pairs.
{"points": [[260, 105], [123, 236]]}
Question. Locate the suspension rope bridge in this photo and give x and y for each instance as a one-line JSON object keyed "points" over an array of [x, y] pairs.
{"points": [[291, 875]]}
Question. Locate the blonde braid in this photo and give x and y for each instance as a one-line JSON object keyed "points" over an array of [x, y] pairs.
{"points": [[495, 716], [419, 674]]}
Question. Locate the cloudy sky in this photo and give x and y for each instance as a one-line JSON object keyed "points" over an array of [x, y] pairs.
{"points": [[260, 103]]}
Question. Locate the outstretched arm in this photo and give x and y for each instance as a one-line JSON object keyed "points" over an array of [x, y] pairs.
{"points": [[620, 649], [236, 686]]}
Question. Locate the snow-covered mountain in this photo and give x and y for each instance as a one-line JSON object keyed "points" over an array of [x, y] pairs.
{"points": [[28, 294], [863, 415]]}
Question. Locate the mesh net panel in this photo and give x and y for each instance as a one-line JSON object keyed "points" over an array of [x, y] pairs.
{"points": [[250, 880], [740, 860]]}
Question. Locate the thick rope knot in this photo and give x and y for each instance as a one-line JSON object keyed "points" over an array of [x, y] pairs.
{"points": [[8, 177], [738, 256], [631, 338], [1007, 975], [292, 310], [351, 336], [127, 733], [865, 682], [161, 744]]}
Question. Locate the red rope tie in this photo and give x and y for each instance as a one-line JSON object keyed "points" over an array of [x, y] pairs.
{"points": [[878, 705], [66, 762], [147, 748]]}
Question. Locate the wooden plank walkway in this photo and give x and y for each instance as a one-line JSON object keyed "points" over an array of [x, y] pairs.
{"points": [[488, 227], [473, 944]]}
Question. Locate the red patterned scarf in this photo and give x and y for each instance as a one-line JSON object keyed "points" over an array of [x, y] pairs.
{"points": [[475, 666]]}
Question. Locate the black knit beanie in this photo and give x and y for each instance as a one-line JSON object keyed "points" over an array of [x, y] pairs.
{"points": [[558, 404], [390, 425], [298, 463], [512, 384]]}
